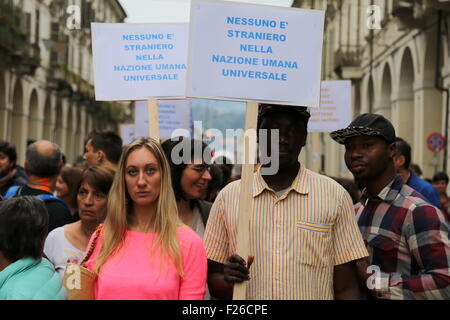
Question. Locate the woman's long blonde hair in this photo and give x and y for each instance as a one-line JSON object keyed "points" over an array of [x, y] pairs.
{"points": [[164, 223]]}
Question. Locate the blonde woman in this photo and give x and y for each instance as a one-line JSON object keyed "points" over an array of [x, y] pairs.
{"points": [[144, 251]]}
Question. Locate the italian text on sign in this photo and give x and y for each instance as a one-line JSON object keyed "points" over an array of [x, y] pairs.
{"points": [[254, 52], [139, 61], [335, 111]]}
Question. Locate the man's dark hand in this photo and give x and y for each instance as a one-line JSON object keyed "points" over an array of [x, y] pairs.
{"points": [[362, 266], [236, 270]]}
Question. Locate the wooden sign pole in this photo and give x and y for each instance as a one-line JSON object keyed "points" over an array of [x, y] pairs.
{"points": [[153, 121], [246, 194]]}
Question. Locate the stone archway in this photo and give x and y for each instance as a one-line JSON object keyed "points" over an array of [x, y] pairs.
{"points": [[49, 122], [70, 133], [403, 104], [79, 136], [58, 136], [384, 106], [356, 103], [34, 120], [19, 128]]}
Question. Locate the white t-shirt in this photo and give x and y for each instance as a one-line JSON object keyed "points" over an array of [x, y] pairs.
{"points": [[60, 251], [197, 223], [198, 226]]}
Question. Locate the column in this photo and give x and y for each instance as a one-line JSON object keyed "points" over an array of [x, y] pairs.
{"points": [[427, 119]]}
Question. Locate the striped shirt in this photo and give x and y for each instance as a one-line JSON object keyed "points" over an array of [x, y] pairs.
{"points": [[296, 238]]}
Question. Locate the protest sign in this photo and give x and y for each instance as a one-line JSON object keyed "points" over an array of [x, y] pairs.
{"points": [[127, 133], [172, 115], [255, 53], [335, 111], [139, 61]]}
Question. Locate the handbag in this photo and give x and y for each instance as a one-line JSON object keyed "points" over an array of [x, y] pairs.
{"points": [[78, 280]]}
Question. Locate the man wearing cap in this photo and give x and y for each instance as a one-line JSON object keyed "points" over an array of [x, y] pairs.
{"points": [[407, 238], [303, 234]]}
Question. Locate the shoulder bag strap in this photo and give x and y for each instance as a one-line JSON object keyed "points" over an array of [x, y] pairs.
{"points": [[92, 247]]}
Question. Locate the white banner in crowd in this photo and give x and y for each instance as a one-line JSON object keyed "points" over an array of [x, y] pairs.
{"points": [[254, 52], [127, 133], [139, 61], [172, 115], [335, 111]]}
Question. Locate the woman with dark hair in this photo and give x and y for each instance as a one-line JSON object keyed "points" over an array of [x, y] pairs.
{"points": [[190, 179], [66, 187], [24, 274], [68, 243]]}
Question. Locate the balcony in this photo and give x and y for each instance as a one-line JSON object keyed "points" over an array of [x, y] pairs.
{"points": [[347, 61], [432, 5], [57, 79], [410, 14], [402, 8], [16, 49], [28, 60]]}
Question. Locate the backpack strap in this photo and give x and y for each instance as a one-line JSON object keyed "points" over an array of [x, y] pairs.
{"points": [[12, 191], [49, 197]]}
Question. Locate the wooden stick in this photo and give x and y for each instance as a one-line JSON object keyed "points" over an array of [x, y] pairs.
{"points": [[246, 194], [153, 121]]}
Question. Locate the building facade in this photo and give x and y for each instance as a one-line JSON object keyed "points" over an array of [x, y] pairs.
{"points": [[46, 74], [396, 53]]}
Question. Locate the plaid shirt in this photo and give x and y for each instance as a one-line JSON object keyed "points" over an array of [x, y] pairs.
{"points": [[408, 239]]}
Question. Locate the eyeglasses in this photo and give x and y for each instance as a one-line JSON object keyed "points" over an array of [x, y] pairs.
{"points": [[200, 168]]}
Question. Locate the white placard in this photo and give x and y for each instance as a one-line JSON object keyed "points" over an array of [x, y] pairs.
{"points": [[255, 52], [335, 111], [139, 61], [127, 133], [172, 115]]}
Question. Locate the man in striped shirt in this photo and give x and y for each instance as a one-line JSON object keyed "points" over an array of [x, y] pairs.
{"points": [[407, 238], [303, 233]]}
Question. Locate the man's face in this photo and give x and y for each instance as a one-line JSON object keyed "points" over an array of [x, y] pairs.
{"points": [[368, 157], [292, 136], [90, 156], [5, 165], [440, 186]]}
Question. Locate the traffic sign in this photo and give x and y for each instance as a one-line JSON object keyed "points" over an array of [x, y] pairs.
{"points": [[435, 142]]}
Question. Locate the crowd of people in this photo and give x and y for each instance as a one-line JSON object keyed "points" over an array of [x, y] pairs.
{"points": [[152, 227]]}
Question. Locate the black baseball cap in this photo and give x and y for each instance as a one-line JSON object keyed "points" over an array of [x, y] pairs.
{"points": [[265, 108], [367, 124]]}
